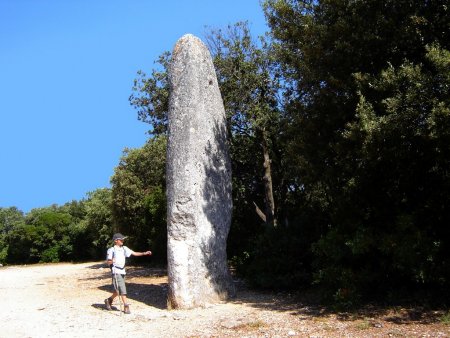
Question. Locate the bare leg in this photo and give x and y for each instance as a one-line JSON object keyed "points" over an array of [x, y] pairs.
{"points": [[114, 295]]}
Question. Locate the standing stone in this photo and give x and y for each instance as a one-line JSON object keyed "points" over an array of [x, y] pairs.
{"points": [[198, 181]]}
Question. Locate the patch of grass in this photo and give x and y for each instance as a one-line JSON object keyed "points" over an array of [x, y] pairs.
{"points": [[250, 326], [397, 309], [363, 324], [321, 319], [445, 319], [329, 327]]}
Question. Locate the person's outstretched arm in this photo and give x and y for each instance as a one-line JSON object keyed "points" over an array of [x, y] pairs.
{"points": [[146, 253]]}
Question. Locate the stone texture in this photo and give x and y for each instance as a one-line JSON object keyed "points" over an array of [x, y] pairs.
{"points": [[198, 181]]}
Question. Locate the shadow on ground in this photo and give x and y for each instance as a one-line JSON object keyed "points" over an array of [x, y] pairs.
{"points": [[149, 294], [306, 306], [99, 306], [153, 292]]}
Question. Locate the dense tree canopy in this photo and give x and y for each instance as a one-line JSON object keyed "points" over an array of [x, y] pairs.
{"points": [[367, 83], [138, 196]]}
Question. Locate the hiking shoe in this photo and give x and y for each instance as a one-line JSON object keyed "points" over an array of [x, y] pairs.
{"points": [[108, 304], [126, 309]]}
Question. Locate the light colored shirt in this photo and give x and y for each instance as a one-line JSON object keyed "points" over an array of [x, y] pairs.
{"points": [[118, 255]]}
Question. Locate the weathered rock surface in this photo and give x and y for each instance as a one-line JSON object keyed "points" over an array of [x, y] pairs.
{"points": [[198, 180]]}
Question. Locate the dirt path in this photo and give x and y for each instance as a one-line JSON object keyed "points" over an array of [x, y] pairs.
{"points": [[66, 300]]}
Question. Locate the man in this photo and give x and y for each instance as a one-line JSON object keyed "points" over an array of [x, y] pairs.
{"points": [[115, 258]]}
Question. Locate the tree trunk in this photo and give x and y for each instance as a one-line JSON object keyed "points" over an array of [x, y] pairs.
{"points": [[268, 187]]}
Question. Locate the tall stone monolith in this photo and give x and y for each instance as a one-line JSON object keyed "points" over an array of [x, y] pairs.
{"points": [[198, 180]]}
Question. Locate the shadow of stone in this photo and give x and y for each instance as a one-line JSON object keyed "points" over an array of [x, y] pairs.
{"points": [[148, 294], [154, 295], [218, 206]]}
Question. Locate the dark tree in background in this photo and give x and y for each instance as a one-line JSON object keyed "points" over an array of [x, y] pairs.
{"points": [[368, 98]]}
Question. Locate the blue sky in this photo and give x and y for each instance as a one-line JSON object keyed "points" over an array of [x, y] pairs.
{"points": [[66, 72]]}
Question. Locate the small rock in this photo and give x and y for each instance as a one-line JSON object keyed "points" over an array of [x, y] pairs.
{"points": [[177, 317], [230, 324]]}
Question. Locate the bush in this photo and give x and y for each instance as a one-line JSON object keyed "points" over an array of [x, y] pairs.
{"points": [[50, 255], [278, 259]]}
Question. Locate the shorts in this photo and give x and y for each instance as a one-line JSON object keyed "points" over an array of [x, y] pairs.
{"points": [[118, 281]]}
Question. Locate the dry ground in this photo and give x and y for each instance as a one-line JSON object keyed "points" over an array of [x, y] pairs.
{"points": [[66, 300]]}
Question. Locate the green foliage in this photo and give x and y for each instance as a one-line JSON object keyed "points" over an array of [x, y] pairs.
{"points": [[3, 252], [155, 217], [10, 218], [150, 96], [367, 95], [445, 319], [250, 86], [277, 259], [397, 147], [50, 234], [138, 196], [50, 255], [94, 231], [19, 242], [47, 230]]}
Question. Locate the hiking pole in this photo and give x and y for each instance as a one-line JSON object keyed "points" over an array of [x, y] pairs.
{"points": [[116, 287]]}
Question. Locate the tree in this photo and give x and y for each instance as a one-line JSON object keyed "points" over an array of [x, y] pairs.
{"points": [[10, 218], [402, 150], [43, 237], [364, 95], [150, 96], [250, 90], [94, 231], [138, 196]]}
